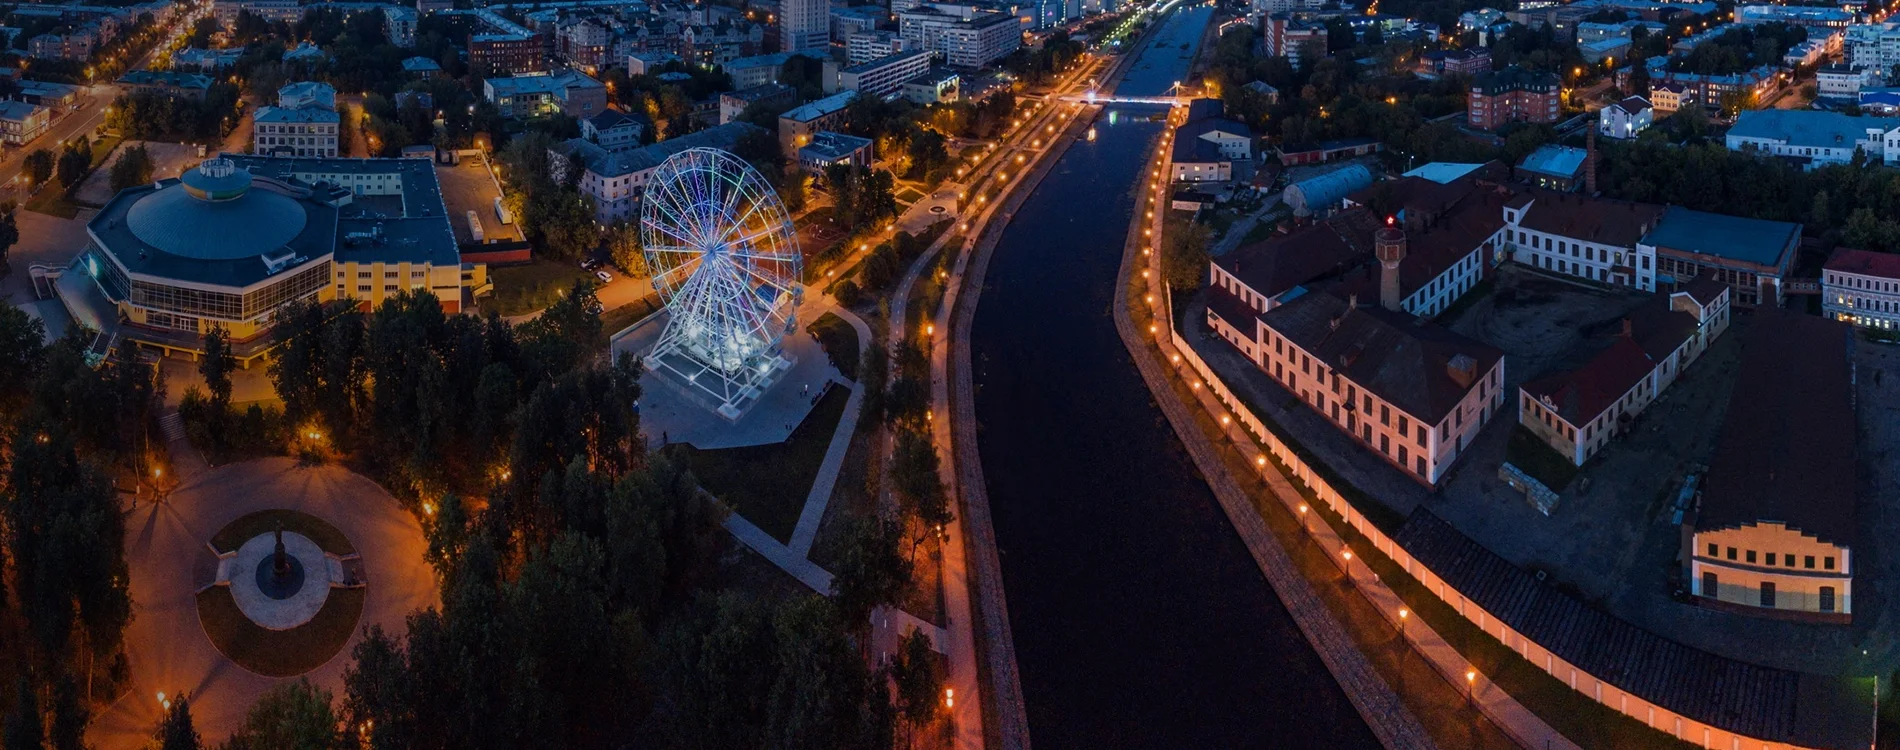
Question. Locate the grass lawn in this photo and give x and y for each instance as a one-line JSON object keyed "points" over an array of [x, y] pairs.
{"points": [[840, 341], [524, 289], [102, 148], [616, 320], [279, 653], [1542, 462], [768, 483], [52, 201], [236, 533]]}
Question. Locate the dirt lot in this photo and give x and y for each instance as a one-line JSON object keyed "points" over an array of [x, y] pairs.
{"points": [[468, 187]]}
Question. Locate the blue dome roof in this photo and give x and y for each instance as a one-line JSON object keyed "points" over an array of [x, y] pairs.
{"points": [[212, 215]]}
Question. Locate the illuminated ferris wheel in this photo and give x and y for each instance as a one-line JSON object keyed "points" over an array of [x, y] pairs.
{"points": [[725, 261]]}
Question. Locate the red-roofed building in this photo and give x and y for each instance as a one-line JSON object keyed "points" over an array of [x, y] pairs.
{"points": [[1578, 412], [1862, 287]]}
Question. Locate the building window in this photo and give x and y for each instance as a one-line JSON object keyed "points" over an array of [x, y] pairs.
{"points": [[1709, 588], [1751, 556], [1770, 561], [1808, 562], [1767, 594], [1731, 555], [1827, 598], [1827, 562], [1714, 551]]}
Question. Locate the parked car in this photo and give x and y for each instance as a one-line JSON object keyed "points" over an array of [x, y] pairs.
{"points": [[589, 264], [604, 276]]}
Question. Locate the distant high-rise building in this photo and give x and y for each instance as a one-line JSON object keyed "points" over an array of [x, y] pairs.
{"points": [[804, 24]]}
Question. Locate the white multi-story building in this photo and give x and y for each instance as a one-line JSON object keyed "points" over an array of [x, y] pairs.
{"points": [[968, 40], [1412, 392], [804, 24], [866, 46], [615, 180], [1626, 118], [304, 122], [855, 20], [1816, 137], [399, 24], [1580, 411], [20, 122], [1843, 81], [885, 75], [1862, 288], [1578, 235]]}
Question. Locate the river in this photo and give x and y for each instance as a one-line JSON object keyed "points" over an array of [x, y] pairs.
{"points": [[1140, 619]]}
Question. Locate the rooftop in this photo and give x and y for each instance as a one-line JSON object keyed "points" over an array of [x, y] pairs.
{"points": [[814, 110], [541, 83], [1807, 127], [888, 60], [1864, 263], [16, 110], [1786, 451], [1655, 330], [1405, 360], [1443, 172], [1757, 241], [1603, 221], [297, 115], [174, 230], [616, 164], [164, 78], [420, 65], [1513, 79], [1552, 159], [1776, 705], [828, 146]]}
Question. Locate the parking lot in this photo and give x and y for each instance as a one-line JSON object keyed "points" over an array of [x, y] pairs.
{"points": [[469, 186]]}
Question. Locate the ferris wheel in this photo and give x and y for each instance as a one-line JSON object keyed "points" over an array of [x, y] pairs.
{"points": [[725, 261]]}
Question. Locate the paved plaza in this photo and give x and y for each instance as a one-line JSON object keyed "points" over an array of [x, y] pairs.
{"points": [[668, 414], [168, 649]]}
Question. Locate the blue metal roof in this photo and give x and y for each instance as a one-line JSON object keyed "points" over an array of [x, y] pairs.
{"points": [[1756, 241], [1551, 159], [1443, 172], [1804, 127]]}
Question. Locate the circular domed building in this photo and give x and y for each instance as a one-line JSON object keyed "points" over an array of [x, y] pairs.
{"points": [[230, 241]]}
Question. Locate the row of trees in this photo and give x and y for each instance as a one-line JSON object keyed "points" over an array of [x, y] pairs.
{"points": [[152, 116], [1852, 204], [70, 428]]}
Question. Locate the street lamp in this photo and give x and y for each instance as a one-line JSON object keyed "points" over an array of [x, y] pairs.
{"points": [[1471, 685], [1404, 614]]}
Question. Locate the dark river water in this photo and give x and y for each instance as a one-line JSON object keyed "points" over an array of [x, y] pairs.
{"points": [[1140, 620]]}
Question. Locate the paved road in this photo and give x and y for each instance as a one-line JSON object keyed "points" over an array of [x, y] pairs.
{"points": [[92, 112]]}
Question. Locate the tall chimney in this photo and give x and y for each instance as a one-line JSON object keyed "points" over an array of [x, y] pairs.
{"points": [[1389, 244], [1590, 163]]}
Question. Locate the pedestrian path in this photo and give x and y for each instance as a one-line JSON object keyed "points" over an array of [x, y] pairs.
{"points": [[820, 496], [806, 571]]}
